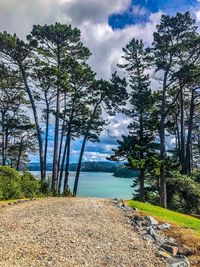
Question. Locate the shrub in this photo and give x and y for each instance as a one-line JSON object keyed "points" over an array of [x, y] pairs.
{"points": [[183, 193], [10, 186], [45, 186], [15, 186], [30, 186]]}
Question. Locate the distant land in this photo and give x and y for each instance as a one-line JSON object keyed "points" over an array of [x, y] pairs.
{"points": [[118, 169]]}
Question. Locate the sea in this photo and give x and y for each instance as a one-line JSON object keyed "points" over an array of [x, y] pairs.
{"points": [[99, 184]]}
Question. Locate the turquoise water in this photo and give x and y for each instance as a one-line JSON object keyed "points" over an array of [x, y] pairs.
{"points": [[100, 184]]}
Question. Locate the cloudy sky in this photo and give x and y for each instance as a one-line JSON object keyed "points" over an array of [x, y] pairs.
{"points": [[106, 26]]}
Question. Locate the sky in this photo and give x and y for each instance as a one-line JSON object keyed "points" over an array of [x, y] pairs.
{"points": [[106, 26]]}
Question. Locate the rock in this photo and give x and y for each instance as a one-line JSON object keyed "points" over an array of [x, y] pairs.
{"points": [[148, 238], [185, 250], [164, 226], [180, 261], [121, 204], [170, 241], [126, 208], [20, 200], [152, 232], [150, 221], [171, 249], [115, 200], [137, 218], [139, 223], [163, 254], [142, 232], [158, 238]]}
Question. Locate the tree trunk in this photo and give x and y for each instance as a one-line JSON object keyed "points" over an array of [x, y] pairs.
{"points": [[60, 148], [3, 142], [6, 144], [19, 154], [62, 166], [66, 183], [142, 172], [187, 169], [141, 177], [178, 142], [61, 139], [39, 134], [56, 145], [46, 141], [163, 187], [79, 165], [182, 134]]}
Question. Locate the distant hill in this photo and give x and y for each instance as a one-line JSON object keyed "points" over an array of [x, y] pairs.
{"points": [[117, 169], [101, 166], [122, 171]]}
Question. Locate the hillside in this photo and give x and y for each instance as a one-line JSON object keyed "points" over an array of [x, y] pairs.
{"points": [[117, 169]]}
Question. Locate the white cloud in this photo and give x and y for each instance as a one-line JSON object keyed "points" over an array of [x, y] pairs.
{"points": [[91, 16], [138, 10]]}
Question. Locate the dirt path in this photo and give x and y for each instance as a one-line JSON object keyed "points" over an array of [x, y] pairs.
{"points": [[71, 232]]}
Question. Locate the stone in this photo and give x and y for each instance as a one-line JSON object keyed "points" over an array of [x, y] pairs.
{"points": [[164, 226], [163, 254], [158, 238], [152, 232], [170, 241], [180, 261], [170, 249], [150, 221], [185, 250], [20, 200], [148, 238], [139, 224], [137, 218], [142, 232], [126, 208]]}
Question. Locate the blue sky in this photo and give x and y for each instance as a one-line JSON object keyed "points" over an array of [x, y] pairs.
{"points": [[140, 10], [106, 26]]}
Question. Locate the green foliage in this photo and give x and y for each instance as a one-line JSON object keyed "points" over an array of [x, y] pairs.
{"points": [[15, 186], [183, 193], [10, 183], [29, 185]]}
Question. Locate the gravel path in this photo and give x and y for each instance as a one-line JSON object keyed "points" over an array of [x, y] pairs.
{"points": [[71, 232]]}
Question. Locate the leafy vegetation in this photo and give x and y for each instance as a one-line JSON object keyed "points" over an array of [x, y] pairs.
{"points": [[13, 185]]}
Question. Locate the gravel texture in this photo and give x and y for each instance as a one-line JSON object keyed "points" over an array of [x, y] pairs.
{"points": [[71, 232]]}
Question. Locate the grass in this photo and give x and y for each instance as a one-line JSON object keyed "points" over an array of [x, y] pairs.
{"points": [[3, 202], [185, 229], [175, 218]]}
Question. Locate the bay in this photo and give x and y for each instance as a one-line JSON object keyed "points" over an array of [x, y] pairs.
{"points": [[100, 184]]}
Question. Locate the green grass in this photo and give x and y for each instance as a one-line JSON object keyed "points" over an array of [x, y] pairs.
{"points": [[169, 216], [2, 202]]}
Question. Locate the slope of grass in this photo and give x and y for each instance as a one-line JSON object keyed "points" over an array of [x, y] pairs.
{"points": [[175, 218]]}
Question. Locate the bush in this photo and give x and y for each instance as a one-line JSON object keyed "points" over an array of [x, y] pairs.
{"points": [[29, 185], [183, 193], [15, 186], [10, 186]]}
